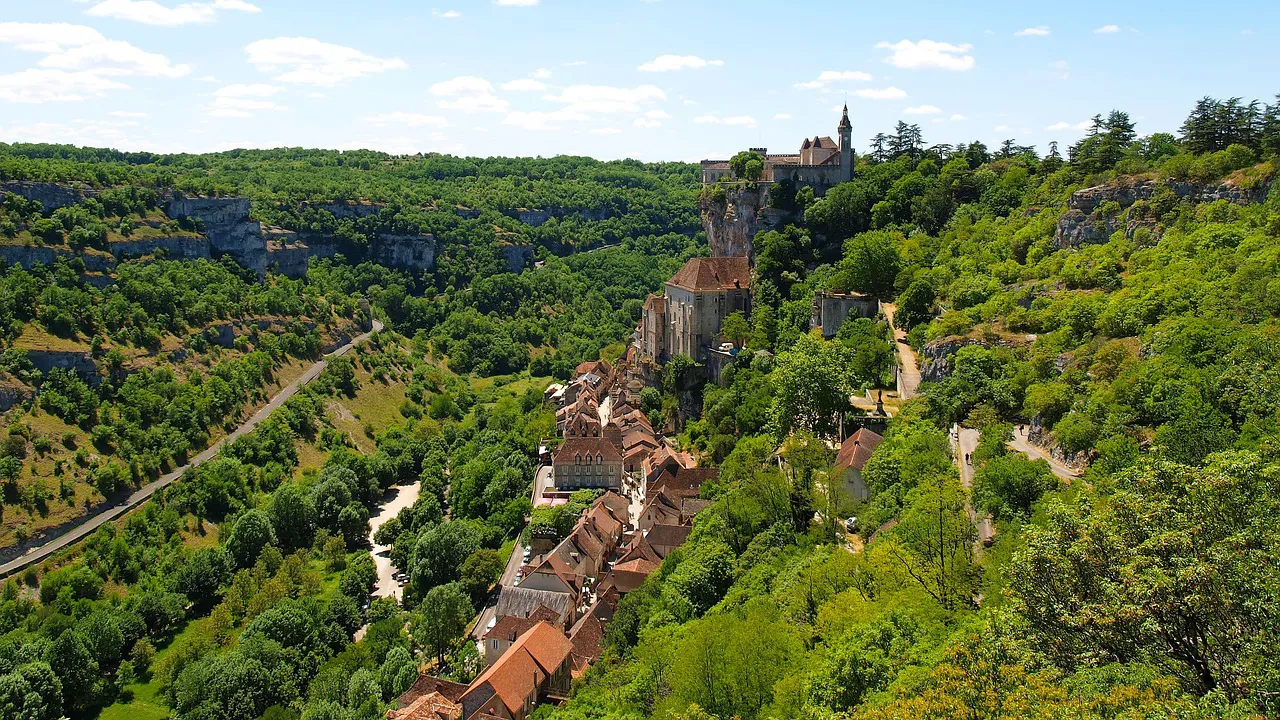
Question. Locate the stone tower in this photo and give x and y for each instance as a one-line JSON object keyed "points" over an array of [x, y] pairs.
{"points": [[846, 146]]}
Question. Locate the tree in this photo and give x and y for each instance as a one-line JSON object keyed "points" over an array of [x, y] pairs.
{"points": [[1008, 486], [76, 668], [203, 575], [480, 571], [1176, 568], [31, 692], [812, 385], [747, 165], [293, 516], [397, 673], [735, 328], [252, 533], [870, 264], [442, 618], [915, 304], [440, 552], [933, 542]]}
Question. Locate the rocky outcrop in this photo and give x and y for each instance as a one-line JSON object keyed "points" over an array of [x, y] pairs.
{"points": [[28, 256], [411, 252], [936, 358], [226, 223], [189, 247], [518, 257], [51, 196], [1095, 214], [731, 223], [345, 210], [15, 394], [1040, 437], [76, 361]]}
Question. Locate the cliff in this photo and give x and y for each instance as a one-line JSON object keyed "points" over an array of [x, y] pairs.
{"points": [[936, 357], [51, 196], [1090, 217], [731, 223]]}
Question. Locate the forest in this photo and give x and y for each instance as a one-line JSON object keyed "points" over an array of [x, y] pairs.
{"points": [[1144, 587]]}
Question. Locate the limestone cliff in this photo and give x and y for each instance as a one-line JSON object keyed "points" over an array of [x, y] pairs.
{"points": [[731, 221], [51, 196], [226, 223], [1091, 217], [936, 357]]}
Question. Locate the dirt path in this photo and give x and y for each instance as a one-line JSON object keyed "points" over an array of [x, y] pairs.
{"points": [[91, 524], [908, 365], [964, 442], [1020, 443]]}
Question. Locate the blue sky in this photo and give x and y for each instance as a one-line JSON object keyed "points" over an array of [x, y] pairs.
{"points": [[656, 80]]}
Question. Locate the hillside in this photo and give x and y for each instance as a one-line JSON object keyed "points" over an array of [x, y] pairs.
{"points": [[1112, 310]]}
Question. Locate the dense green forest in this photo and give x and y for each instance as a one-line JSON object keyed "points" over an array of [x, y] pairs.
{"points": [[1146, 588]]}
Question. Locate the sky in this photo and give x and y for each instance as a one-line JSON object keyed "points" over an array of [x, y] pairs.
{"points": [[648, 79]]}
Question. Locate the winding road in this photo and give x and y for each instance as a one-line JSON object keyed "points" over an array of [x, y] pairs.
{"points": [[108, 514]]}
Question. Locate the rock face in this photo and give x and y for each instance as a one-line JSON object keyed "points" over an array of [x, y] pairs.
{"points": [[936, 357], [78, 362], [1084, 223], [518, 257], [226, 223], [1037, 435], [413, 252], [731, 225], [50, 195]]}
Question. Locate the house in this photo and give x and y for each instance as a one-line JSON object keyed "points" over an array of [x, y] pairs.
{"points": [[539, 664], [587, 463], [553, 574], [660, 509], [508, 629], [665, 538], [852, 458], [429, 698], [653, 328], [698, 299], [630, 575], [587, 639], [523, 602]]}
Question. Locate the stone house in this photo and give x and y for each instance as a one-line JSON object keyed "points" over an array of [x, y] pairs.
{"points": [[587, 462], [695, 303], [822, 163], [852, 458]]}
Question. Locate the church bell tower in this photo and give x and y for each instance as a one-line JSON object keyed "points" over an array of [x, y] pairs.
{"points": [[846, 146]]}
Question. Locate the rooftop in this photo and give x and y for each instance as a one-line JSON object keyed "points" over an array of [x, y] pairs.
{"points": [[719, 273]]}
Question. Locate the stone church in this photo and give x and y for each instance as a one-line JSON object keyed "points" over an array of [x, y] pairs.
{"points": [[822, 163]]}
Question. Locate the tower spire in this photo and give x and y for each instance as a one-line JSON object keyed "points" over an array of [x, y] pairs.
{"points": [[844, 120]]}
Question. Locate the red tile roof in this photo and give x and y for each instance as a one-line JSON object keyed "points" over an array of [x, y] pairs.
{"points": [[668, 535], [720, 273], [593, 447], [534, 656], [856, 451]]}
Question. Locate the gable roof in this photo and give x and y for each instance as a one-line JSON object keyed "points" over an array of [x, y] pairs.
{"points": [[574, 447], [587, 638], [515, 676], [509, 626], [524, 602], [426, 685], [668, 535], [857, 449], [656, 303], [719, 273]]}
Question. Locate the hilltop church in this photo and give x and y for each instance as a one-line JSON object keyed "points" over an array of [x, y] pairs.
{"points": [[822, 163]]}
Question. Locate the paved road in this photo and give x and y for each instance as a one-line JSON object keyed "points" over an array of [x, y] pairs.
{"points": [[36, 554], [1020, 443], [964, 442], [908, 366], [395, 500]]}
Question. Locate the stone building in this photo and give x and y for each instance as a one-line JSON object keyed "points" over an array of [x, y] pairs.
{"points": [[822, 162], [687, 318], [587, 462], [831, 309]]}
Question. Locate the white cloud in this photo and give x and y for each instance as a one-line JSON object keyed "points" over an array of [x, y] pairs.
{"points": [[1000, 128], [516, 3], [605, 99], [929, 55], [43, 86], [1059, 65], [127, 114], [242, 101], [1107, 29], [922, 110], [1037, 31], [469, 94], [742, 120], [605, 131], [540, 74], [75, 132], [957, 117], [667, 63], [650, 123], [782, 116], [406, 119], [524, 85], [658, 115], [1062, 125], [308, 61], [538, 120], [150, 12], [888, 93], [447, 14], [826, 77], [78, 63]]}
